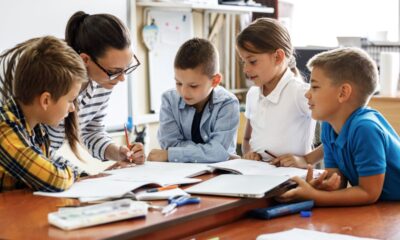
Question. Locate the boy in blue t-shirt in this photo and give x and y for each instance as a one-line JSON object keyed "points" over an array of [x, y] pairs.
{"points": [[198, 119], [359, 144]]}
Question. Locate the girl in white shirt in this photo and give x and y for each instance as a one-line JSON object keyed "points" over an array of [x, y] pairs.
{"points": [[279, 123]]}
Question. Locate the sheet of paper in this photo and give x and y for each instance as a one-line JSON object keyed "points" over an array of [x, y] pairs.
{"points": [[97, 187], [250, 167], [303, 234], [154, 170], [143, 195]]}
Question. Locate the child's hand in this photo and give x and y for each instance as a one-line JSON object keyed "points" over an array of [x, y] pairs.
{"points": [[304, 191], [252, 156], [134, 155], [289, 160], [158, 155], [322, 182]]}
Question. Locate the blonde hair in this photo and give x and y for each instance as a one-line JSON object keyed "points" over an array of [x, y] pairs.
{"points": [[351, 65], [40, 65], [266, 35]]}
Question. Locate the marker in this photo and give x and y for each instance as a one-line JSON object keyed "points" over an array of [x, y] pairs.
{"points": [[282, 209], [162, 188]]}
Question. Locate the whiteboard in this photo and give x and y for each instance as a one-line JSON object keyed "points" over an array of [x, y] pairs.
{"points": [[24, 19], [175, 27]]}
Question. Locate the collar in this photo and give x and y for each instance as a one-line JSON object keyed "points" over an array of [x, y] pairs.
{"points": [[88, 92], [16, 110], [342, 138], [275, 95]]}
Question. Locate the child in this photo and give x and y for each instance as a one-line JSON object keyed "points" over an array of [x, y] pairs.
{"points": [[359, 144], [278, 119], [198, 120], [47, 80]]}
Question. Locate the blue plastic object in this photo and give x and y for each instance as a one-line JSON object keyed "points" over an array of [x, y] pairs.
{"points": [[281, 210]]}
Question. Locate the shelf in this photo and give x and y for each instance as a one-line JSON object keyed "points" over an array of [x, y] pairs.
{"points": [[208, 7]]}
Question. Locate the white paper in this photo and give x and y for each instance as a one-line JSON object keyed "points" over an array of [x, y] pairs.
{"points": [[161, 194], [251, 167], [303, 234], [155, 170], [97, 187]]}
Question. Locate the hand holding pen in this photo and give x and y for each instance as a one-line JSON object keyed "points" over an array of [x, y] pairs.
{"points": [[289, 160], [133, 152]]}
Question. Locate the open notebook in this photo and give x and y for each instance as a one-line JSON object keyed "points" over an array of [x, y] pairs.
{"points": [[123, 181], [250, 167]]}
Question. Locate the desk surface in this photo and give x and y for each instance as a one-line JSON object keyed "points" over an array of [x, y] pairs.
{"points": [[23, 215], [381, 220]]}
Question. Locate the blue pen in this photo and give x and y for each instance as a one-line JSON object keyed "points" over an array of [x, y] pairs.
{"points": [[281, 210]]}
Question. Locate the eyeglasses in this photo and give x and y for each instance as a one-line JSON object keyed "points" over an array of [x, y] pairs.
{"points": [[114, 75]]}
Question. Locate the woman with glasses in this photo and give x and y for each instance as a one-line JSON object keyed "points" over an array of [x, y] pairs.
{"points": [[104, 44]]}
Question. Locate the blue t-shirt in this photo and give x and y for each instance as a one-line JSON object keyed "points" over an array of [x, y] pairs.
{"points": [[367, 145]]}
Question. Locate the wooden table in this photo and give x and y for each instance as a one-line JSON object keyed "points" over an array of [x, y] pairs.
{"points": [[381, 220], [24, 216]]}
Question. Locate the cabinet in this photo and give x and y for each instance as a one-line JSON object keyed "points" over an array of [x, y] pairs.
{"points": [[389, 107], [220, 24]]}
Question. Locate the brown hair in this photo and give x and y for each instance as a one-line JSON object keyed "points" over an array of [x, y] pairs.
{"points": [[266, 35], [94, 34], [352, 65], [40, 65], [198, 52]]}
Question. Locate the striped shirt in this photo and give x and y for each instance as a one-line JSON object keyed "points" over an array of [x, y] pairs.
{"points": [[92, 102], [25, 156]]}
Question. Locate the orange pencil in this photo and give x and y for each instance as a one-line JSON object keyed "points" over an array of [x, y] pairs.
{"points": [[127, 138]]}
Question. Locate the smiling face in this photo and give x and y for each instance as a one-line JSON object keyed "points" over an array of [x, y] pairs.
{"points": [[194, 86], [262, 68], [113, 61], [323, 96]]}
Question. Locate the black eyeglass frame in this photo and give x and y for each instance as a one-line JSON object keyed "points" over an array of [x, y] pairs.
{"points": [[113, 76]]}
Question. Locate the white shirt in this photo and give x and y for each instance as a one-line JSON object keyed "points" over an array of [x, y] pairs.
{"points": [[281, 121]]}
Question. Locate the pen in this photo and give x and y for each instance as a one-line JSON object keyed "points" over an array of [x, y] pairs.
{"points": [[162, 188], [272, 155]]}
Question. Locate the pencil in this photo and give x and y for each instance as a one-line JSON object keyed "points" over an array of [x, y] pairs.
{"points": [[162, 188], [272, 155], [127, 138]]}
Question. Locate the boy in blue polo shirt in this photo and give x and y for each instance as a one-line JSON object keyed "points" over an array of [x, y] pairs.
{"points": [[359, 144]]}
